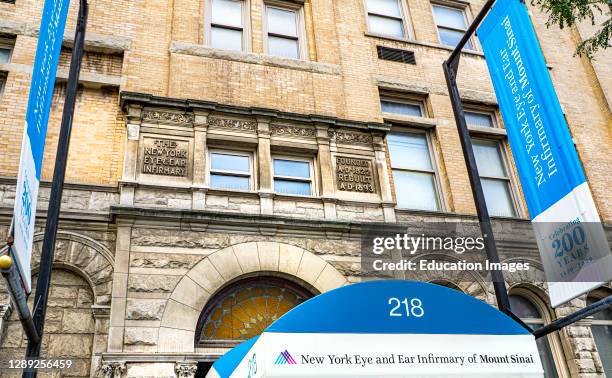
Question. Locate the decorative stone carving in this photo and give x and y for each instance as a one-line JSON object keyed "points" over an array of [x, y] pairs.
{"points": [[114, 369], [158, 116], [186, 369], [233, 124], [295, 131], [348, 137]]}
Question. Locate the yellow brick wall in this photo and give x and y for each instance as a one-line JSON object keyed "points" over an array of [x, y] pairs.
{"points": [[336, 35]]}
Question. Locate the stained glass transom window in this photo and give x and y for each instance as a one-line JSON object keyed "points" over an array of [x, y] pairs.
{"points": [[243, 310]]}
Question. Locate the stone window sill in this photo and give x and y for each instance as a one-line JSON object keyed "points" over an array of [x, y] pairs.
{"points": [[413, 121], [253, 58]]}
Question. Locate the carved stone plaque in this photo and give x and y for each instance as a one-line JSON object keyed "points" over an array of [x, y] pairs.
{"points": [[354, 175], [165, 157]]}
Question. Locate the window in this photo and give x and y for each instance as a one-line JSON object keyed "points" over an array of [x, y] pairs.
{"points": [[480, 119], [226, 20], [283, 32], [530, 314], [2, 81], [6, 49], [244, 309], [292, 176], [389, 105], [413, 171], [385, 17], [230, 170], [452, 24], [602, 333], [494, 177]]}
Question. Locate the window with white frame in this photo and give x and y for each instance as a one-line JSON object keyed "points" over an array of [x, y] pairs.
{"points": [[230, 170], [284, 32], [480, 118], [414, 175], [394, 105], [452, 23], [601, 328], [293, 176], [386, 17], [529, 313], [226, 21], [494, 177]]}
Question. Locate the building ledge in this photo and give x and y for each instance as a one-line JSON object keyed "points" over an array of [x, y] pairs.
{"points": [[144, 99], [108, 44], [253, 58]]}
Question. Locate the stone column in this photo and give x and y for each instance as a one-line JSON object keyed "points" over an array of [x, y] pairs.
{"points": [[130, 159], [198, 200], [327, 171], [380, 154], [264, 159], [113, 369], [120, 279], [186, 369], [101, 316]]}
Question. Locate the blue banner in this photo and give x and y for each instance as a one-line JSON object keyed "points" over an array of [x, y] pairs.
{"points": [[542, 146], [571, 239], [50, 38]]}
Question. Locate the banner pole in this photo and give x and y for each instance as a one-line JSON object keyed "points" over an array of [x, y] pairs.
{"points": [[450, 67], [17, 292], [48, 248]]}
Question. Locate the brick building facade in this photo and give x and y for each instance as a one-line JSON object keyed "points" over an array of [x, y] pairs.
{"points": [[213, 160]]}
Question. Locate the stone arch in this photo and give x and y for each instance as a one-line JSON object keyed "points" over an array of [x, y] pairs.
{"points": [[533, 277], [83, 255], [207, 277]]}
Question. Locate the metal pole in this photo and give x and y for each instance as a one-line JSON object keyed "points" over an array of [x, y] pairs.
{"points": [[48, 248], [574, 317], [450, 72], [17, 293]]}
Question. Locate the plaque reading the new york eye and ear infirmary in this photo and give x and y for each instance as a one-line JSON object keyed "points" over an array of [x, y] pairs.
{"points": [[354, 175], [165, 157]]}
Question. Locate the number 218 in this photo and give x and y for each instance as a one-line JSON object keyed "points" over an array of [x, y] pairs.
{"points": [[412, 307]]}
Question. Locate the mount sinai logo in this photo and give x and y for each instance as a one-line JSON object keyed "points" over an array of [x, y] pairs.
{"points": [[284, 358]]}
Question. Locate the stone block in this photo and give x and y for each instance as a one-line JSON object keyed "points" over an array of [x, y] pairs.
{"points": [[145, 309], [78, 321], [206, 275], [180, 316], [152, 283], [226, 263], [140, 336], [247, 256], [268, 255], [191, 294], [289, 258], [175, 340], [329, 279], [310, 267], [70, 346]]}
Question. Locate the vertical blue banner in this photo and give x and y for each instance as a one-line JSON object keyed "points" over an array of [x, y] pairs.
{"points": [[50, 38], [571, 239]]}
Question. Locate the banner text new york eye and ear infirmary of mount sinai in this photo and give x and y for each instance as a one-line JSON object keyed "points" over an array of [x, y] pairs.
{"points": [[526, 107]]}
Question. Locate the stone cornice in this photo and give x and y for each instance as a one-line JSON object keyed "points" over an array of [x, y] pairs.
{"points": [[146, 100]]}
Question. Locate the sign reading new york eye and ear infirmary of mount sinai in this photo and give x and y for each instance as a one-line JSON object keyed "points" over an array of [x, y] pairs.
{"points": [[387, 328], [571, 239], [50, 38]]}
